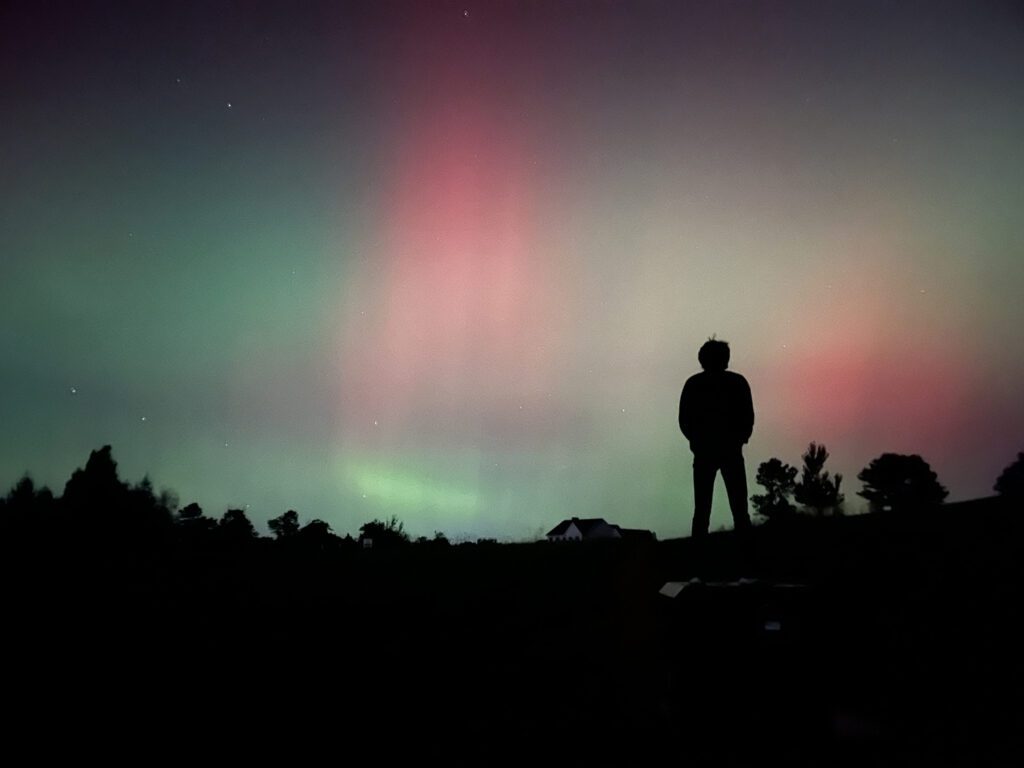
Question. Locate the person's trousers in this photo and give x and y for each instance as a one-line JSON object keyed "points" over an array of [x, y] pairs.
{"points": [[734, 473]]}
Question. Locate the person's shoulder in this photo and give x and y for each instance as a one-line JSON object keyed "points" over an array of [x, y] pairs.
{"points": [[695, 379], [737, 378]]}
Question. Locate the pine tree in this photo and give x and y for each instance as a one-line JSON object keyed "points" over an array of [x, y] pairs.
{"points": [[817, 490]]}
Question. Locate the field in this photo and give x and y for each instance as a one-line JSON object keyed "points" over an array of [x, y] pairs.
{"points": [[862, 640]]}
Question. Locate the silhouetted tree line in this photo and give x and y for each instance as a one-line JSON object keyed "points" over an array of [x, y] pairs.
{"points": [[102, 513], [98, 512], [893, 483]]}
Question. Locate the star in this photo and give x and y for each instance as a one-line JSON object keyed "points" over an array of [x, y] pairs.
{"points": [[229, 105], [465, 13], [74, 391], [375, 422], [143, 418]]}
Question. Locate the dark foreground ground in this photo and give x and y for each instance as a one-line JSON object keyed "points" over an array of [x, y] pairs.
{"points": [[901, 644]]}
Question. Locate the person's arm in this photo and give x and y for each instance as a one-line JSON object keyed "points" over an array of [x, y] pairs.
{"points": [[685, 415], [748, 412]]}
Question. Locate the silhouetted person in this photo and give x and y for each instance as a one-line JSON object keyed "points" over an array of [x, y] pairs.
{"points": [[716, 414]]}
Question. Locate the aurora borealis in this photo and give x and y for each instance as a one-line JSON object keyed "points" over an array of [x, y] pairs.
{"points": [[453, 261]]}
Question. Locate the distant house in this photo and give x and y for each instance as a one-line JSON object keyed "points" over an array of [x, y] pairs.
{"points": [[594, 528]]}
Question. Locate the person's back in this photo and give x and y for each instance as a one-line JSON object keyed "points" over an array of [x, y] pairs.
{"points": [[716, 415], [716, 411]]}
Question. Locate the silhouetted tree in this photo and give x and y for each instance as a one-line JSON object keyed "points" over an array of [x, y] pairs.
{"points": [[193, 526], [235, 528], [384, 534], [1010, 484], [285, 526], [898, 482], [148, 510], [24, 496], [105, 511], [190, 513], [97, 486], [26, 508], [317, 535], [779, 482], [817, 490]]}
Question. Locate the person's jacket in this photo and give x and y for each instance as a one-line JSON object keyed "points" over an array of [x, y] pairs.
{"points": [[716, 411]]}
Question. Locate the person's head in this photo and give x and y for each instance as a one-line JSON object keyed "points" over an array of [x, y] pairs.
{"points": [[714, 355]]}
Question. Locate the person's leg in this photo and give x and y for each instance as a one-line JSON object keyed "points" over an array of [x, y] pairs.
{"points": [[704, 470], [734, 473]]}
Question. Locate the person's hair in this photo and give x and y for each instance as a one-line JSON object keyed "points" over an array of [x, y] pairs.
{"points": [[714, 355]]}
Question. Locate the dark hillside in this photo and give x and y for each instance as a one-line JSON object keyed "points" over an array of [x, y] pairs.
{"points": [[900, 636]]}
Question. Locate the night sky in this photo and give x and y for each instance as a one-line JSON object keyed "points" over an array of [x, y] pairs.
{"points": [[453, 261]]}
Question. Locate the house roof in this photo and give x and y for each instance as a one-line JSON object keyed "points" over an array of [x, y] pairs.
{"points": [[588, 525], [584, 524]]}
